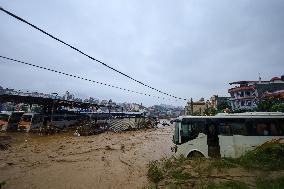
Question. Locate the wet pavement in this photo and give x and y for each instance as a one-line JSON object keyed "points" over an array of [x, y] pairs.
{"points": [[108, 160]]}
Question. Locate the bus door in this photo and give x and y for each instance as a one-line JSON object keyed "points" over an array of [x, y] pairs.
{"points": [[14, 121], [37, 121], [25, 122], [226, 138], [212, 138], [4, 119]]}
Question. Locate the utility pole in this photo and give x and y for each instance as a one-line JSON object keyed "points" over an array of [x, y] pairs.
{"points": [[191, 106], [52, 110]]}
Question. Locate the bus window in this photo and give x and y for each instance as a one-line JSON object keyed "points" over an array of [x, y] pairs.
{"points": [[233, 127], [225, 129], [263, 129], [190, 129], [26, 118], [274, 130], [176, 133], [37, 119], [4, 117], [238, 128], [185, 130], [15, 117], [278, 125], [251, 127]]}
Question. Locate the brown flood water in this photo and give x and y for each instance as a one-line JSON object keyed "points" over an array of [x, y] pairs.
{"points": [[108, 160]]}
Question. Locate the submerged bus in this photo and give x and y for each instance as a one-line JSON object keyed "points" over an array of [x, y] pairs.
{"points": [[9, 120], [30, 121], [226, 135]]}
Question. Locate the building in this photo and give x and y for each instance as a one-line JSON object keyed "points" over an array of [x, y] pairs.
{"points": [[216, 100], [68, 96], [196, 108], [246, 94]]}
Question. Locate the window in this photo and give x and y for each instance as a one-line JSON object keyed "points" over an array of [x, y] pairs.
{"points": [[26, 118], [225, 129], [232, 127], [4, 117], [37, 119], [190, 128], [248, 103], [265, 127], [247, 93], [15, 117], [238, 129], [176, 134], [251, 127], [277, 127], [185, 130]]}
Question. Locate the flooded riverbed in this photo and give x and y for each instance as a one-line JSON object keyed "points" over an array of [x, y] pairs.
{"points": [[108, 160]]}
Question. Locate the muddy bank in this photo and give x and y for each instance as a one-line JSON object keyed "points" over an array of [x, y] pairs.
{"points": [[108, 160]]}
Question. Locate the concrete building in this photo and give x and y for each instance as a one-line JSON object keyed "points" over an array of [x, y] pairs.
{"points": [[68, 96], [246, 94], [196, 108]]}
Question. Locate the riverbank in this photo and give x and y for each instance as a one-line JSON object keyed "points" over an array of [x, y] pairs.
{"points": [[261, 168]]}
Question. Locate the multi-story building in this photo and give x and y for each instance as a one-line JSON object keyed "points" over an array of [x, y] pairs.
{"points": [[246, 94]]}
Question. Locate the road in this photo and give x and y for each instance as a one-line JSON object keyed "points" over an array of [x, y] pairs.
{"points": [[108, 160]]}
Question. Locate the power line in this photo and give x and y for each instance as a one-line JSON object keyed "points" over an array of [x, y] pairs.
{"points": [[85, 54], [82, 78]]}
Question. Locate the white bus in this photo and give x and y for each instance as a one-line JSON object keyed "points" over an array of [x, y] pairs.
{"points": [[226, 135]]}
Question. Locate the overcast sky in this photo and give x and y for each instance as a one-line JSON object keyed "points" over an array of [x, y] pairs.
{"points": [[190, 48]]}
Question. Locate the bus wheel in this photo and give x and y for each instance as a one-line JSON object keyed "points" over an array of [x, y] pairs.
{"points": [[195, 155]]}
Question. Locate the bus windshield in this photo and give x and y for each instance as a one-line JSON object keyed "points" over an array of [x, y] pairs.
{"points": [[15, 117], [26, 118], [176, 134], [4, 117], [188, 130]]}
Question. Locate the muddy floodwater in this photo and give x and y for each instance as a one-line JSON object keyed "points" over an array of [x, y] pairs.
{"points": [[108, 160]]}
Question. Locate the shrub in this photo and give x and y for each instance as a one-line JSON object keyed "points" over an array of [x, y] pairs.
{"points": [[266, 157], [227, 185], [155, 173], [273, 184]]}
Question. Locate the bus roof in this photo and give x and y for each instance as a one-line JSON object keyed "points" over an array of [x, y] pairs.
{"points": [[30, 113], [10, 112], [238, 115]]}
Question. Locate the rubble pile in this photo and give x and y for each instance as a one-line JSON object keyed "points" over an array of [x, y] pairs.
{"points": [[115, 125]]}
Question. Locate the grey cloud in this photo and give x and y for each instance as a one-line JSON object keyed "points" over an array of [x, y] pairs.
{"points": [[188, 48]]}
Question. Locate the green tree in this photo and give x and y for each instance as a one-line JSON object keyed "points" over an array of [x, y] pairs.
{"points": [[222, 106], [264, 106], [210, 111], [277, 107]]}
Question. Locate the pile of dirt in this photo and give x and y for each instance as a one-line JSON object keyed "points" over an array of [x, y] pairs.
{"points": [[269, 156]]}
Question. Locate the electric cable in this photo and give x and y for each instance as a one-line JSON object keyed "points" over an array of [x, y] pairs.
{"points": [[85, 54]]}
